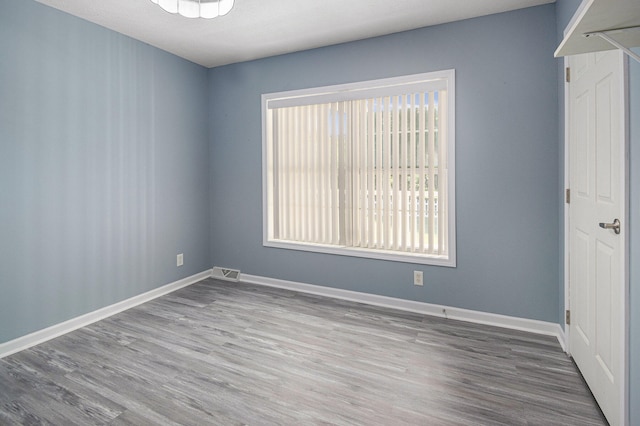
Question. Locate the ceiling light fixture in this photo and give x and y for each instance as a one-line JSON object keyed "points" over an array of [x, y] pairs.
{"points": [[196, 8]]}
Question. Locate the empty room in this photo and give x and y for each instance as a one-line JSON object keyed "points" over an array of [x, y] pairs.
{"points": [[363, 212]]}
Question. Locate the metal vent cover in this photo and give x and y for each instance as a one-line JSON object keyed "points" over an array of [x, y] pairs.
{"points": [[226, 274]]}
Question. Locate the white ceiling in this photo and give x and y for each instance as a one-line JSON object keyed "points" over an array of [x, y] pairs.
{"points": [[260, 28]]}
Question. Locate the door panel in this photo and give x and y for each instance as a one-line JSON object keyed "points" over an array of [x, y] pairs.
{"points": [[581, 312], [582, 163], [604, 322], [604, 146]]}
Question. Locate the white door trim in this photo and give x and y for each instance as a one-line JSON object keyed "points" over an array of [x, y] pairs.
{"points": [[624, 389], [567, 331], [627, 237]]}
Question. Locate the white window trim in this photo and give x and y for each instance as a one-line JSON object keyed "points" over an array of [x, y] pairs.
{"points": [[347, 91]]}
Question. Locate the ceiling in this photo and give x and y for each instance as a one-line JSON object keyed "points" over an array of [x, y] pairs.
{"points": [[260, 28]]}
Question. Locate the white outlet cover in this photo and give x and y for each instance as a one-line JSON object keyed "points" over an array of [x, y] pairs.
{"points": [[180, 259]]}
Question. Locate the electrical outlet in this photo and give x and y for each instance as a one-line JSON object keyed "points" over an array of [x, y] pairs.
{"points": [[180, 260], [417, 277]]}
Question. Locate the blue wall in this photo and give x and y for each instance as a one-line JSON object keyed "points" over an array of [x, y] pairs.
{"points": [[507, 162], [104, 173]]}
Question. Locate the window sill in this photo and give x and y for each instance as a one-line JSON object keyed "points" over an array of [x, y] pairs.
{"points": [[422, 259]]}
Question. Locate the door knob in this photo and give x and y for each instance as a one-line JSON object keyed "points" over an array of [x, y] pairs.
{"points": [[615, 226]]}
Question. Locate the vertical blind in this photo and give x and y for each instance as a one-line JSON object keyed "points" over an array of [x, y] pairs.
{"points": [[368, 172]]}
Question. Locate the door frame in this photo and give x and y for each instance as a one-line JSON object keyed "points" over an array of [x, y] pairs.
{"points": [[624, 388]]}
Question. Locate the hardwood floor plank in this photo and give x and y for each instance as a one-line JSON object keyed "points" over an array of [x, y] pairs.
{"points": [[232, 353]]}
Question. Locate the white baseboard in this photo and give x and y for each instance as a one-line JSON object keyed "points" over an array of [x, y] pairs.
{"points": [[40, 336], [562, 338], [515, 323], [504, 321]]}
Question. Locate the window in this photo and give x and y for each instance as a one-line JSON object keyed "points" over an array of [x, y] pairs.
{"points": [[363, 169]]}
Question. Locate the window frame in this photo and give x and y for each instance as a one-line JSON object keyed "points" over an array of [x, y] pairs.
{"points": [[355, 91]]}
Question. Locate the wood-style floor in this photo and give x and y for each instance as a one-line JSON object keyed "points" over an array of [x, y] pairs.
{"points": [[219, 353]]}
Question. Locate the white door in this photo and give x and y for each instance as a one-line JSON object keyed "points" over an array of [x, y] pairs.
{"points": [[597, 254]]}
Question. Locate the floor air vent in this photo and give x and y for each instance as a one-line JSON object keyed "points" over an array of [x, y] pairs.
{"points": [[225, 274]]}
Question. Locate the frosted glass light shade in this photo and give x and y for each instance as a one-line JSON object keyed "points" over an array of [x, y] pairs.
{"points": [[196, 8]]}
